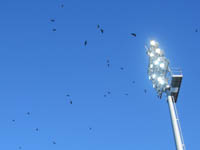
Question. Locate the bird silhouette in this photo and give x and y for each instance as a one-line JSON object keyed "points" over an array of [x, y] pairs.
{"points": [[98, 26], [126, 94], [108, 63], [62, 5], [133, 82], [90, 128], [13, 120], [68, 95], [102, 31], [109, 92], [54, 29], [28, 113], [85, 43], [122, 68], [70, 102], [52, 20], [133, 34], [36, 129], [196, 30], [54, 142]]}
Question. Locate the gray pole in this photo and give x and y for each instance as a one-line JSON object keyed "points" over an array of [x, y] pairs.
{"points": [[177, 134]]}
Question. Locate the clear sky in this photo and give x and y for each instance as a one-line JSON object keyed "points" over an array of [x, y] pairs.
{"points": [[39, 67]]}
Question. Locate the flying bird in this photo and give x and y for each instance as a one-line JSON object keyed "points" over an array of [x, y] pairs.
{"points": [[62, 5], [54, 29], [85, 43], [13, 120], [28, 113], [36, 129], [70, 102], [102, 31], [90, 128], [109, 92], [122, 68], [108, 63], [133, 34], [54, 142], [98, 26], [126, 94], [133, 82], [68, 95], [52, 20], [196, 30]]}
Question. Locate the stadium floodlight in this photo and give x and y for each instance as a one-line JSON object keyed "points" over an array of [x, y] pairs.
{"points": [[151, 54], [158, 50], [156, 62], [153, 43], [151, 66], [161, 75], [162, 65], [161, 80], [154, 76]]}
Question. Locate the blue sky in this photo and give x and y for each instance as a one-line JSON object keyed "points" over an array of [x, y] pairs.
{"points": [[39, 67]]}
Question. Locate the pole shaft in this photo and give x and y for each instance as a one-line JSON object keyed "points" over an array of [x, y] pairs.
{"points": [[177, 134]]}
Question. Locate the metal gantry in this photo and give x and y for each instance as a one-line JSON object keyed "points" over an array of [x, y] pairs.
{"points": [[166, 81]]}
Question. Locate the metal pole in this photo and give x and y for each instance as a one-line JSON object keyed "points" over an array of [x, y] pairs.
{"points": [[177, 134]]}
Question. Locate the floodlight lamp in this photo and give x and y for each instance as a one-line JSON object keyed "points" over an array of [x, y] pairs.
{"points": [[151, 65], [168, 86], [153, 43], [154, 76], [158, 50], [162, 65], [151, 54], [149, 77], [160, 80], [156, 62]]}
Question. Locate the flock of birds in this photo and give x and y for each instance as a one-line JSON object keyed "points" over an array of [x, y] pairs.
{"points": [[37, 129], [107, 64], [106, 94]]}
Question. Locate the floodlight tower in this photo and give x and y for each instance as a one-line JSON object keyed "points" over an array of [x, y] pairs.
{"points": [[166, 81]]}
